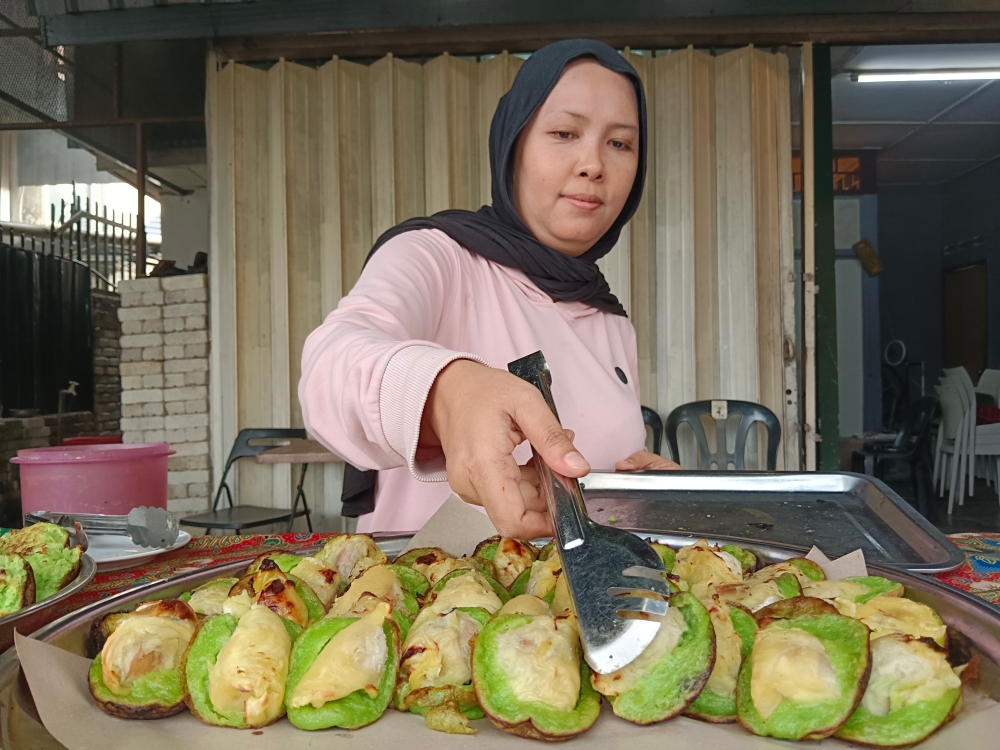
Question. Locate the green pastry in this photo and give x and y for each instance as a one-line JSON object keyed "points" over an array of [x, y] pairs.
{"points": [[283, 594], [207, 599], [17, 583], [46, 547], [138, 673], [343, 671], [505, 559], [734, 633], [530, 678], [912, 692], [805, 570], [671, 672], [435, 673], [236, 669], [804, 676]]}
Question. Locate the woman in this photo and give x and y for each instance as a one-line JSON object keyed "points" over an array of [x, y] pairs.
{"points": [[408, 375]]}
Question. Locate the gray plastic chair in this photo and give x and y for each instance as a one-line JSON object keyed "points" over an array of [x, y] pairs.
{"points": [[235, 518], [652, 420], [750, 413]]}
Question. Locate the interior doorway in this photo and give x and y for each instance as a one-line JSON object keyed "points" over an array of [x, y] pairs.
{"points": [[966, 339]]}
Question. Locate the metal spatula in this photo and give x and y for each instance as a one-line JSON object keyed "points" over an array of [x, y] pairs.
{"points": [[148, 527], [616, 580]]}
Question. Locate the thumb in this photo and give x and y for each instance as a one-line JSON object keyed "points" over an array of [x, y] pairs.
{"points": [[541, 428]]}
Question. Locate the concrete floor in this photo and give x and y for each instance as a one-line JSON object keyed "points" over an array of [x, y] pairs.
{"points": [[981, 512]]}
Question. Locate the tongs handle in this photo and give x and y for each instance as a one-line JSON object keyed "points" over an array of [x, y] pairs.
{"points": [[95, 523], [562, 494]]}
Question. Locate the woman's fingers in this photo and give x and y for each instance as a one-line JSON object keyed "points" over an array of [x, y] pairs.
{"points": [[530, 488], [644, 460], [539, 426], [501, 490]]}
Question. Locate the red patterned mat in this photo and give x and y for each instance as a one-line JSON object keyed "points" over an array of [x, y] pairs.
{"points": [[980, 575]]}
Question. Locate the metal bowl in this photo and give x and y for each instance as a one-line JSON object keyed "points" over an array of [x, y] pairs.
{"points": [[974, 629], [30, 619]]}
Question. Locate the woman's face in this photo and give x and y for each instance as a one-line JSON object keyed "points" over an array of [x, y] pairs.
{"points": [[575, 161]]}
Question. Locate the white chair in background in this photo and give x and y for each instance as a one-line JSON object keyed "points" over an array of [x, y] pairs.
{"points": [[989, 383], [951, 441], [972, 446], [987, 450], [960, 377], [987, 437]]}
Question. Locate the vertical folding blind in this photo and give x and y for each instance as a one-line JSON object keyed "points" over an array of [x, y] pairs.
{"points": [[309, 165]]}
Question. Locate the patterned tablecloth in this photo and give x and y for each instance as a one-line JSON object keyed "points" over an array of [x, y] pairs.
{"points": [[980, 575]]}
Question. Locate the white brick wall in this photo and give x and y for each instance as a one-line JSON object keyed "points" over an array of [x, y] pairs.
{"points": [[164, 369]]}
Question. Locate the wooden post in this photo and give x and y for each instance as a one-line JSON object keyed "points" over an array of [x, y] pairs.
{"points": [[808, 260], [827, 392], [140, 186]]}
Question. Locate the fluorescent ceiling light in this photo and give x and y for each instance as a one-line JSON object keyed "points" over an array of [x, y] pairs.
{"points": [[895, 76]]}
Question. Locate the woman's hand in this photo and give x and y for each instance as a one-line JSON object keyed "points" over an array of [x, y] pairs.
{"points": [[478, 415], [645, 460], [638, 461]]}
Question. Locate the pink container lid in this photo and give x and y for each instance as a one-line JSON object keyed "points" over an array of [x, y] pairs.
{"points": [[71, 454]]}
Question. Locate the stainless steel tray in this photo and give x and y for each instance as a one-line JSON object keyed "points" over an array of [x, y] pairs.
{"points": [[838, 512], [974, 629], [31, 618]]}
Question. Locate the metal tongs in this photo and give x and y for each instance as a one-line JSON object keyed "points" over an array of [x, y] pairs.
{"points": [[616, 580], [147, 527]]}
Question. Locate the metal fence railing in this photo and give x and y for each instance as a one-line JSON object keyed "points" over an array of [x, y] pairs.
{"points": [[89, 235]]}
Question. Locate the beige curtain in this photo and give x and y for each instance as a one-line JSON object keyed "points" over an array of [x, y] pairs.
{"points": [[309, 165], [724, 311]]}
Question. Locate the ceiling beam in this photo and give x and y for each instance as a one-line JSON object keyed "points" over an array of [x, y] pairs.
{"points": [[700, 32], [470, 26]]}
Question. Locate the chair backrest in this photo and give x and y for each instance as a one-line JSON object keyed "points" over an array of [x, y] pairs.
{"points": [[652, 420], [749, 413], [964, 390], [989, 383], [961, 376], [244, 447], [257, 440], [917, 426], [952, 411]]}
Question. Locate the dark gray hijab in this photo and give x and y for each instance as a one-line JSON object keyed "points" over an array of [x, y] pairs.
{"points": [[496, 232]]}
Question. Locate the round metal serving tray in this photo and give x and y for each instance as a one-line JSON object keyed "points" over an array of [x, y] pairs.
{"points": [[30, 619], [973, 625]]}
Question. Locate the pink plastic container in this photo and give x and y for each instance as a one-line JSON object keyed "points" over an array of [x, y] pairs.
{"points": [[109, 479]]}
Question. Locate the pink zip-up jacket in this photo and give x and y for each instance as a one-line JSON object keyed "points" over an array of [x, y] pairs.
{"points": [[424, 301]]}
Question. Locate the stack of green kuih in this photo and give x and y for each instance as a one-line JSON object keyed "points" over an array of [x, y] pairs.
{"points": [[336, 639], [36, 562]]}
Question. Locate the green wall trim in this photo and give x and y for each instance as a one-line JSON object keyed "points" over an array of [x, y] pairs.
{"points": [[827, 393]]}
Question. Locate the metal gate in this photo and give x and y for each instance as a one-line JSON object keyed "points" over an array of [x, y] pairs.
{"points": [[87, 234], [46, 337]]}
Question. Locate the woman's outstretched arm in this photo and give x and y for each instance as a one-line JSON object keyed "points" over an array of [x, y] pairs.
{"points": [[380, 393]]}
